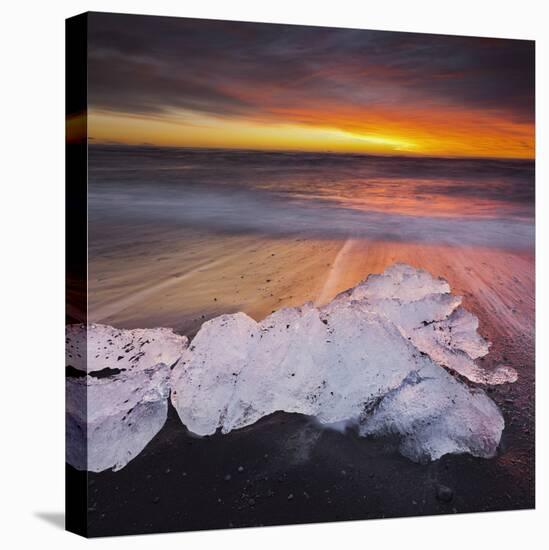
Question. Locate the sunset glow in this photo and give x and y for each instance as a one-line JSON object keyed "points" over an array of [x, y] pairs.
{"points": [[209, 84]]}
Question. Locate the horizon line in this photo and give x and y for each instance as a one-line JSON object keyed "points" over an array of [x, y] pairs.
{"points": [[92, 142]]}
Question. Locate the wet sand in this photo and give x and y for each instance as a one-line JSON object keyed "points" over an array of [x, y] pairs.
{"points": [[181, 281]]}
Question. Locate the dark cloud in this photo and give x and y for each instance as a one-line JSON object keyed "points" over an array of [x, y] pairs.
{"points": [[152, 65]]}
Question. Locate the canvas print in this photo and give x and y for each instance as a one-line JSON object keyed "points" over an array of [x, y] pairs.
{"points": [[300, 274]]}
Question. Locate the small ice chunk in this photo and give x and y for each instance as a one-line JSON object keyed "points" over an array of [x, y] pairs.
{"points": [[114, 410], [96, 348], [399, 282], [124, 412], [431, 318], [435, 415], [222, 342]]}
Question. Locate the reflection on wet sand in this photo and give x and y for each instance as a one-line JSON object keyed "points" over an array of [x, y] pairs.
{"points": [[180, 284]]}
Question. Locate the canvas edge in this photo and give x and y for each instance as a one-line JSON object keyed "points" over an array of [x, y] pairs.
{"points": [[76, 37]]}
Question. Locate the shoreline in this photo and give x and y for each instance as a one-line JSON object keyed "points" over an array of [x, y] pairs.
{"points": [[201, 277]]}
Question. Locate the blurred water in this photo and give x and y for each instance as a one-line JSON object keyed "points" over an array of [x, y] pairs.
{"points": [[478, 202]]}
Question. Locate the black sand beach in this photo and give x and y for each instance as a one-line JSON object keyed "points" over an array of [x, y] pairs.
{"points": [[151, 271], [286, 469]]}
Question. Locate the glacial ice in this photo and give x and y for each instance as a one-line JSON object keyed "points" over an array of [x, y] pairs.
{"points": [[122, 402], [123, 414], [364, 358], [380, 356], [427, 314], [98, 347]]}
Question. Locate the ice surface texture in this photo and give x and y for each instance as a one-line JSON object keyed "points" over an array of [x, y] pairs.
{"points": [[379, 356], [102, 348], [115, 409]]}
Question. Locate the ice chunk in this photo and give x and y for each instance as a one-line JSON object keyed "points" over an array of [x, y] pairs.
{"points": [[223, 343], [378, 356], [95, 348], [124, 412], [435, 415], [371, 356], [399, 282], [431, 318], [118, 407]]}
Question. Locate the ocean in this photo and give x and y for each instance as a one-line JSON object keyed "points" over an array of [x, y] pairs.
{"points": [[476, 202]]}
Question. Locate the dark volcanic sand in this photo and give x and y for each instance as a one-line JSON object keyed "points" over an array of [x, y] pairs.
{"points": [[287, 469], [295, 471]]}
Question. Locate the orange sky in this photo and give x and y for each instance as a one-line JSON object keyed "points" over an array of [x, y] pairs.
{"points": [[197, 83], [439, 133]]}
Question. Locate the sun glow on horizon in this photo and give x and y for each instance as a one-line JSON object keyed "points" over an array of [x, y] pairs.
{"points": [[395, 143], [442, 134]]}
